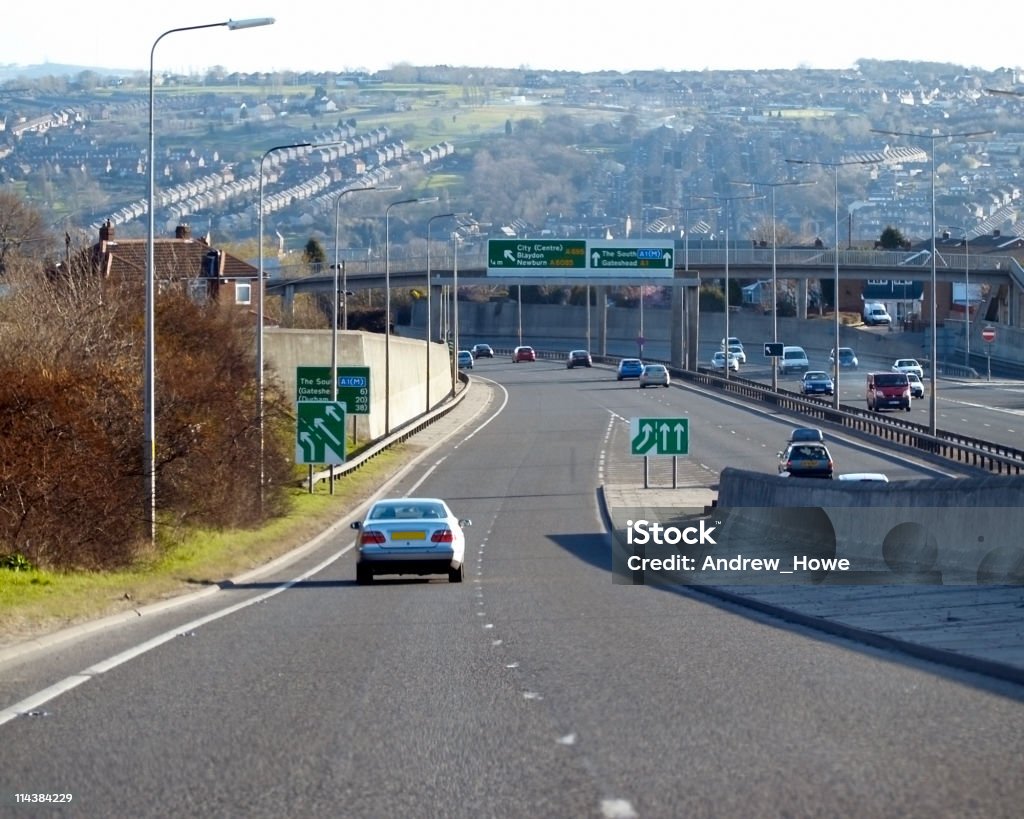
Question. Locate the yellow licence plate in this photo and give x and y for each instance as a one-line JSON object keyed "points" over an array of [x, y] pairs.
{"points": [[408, 535]]}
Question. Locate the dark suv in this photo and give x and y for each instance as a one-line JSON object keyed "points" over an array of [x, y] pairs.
{"points": [[888, 391]]}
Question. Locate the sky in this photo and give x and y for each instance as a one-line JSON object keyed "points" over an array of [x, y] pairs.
{"points": [[670, 35]]}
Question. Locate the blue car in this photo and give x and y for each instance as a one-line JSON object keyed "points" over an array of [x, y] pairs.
{"points": [[629, 368]]}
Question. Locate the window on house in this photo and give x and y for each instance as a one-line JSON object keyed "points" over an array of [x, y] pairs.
{"points": [[243, 293], [199, 290]]}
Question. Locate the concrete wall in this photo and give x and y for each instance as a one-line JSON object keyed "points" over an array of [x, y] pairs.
{"points": [[488, 320], [286, 350], [949, 530]]}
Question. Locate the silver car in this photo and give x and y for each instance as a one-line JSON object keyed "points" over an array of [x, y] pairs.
{"points": [[654, 375], [411, 536]]}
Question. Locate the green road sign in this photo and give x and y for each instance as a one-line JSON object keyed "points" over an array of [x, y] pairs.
{"points": [[320, 432], [314, 384], [659, 436], [505, 255], [652, 258]]}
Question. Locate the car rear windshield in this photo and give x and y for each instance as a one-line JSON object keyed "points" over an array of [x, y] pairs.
{"points": [[793, 354], [890, 380]]}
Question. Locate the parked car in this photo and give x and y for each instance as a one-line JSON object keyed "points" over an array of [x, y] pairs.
{"points": [[578, 358], [465, 358], [654, 375], [793, 359], [482, 351], [847, 358], [718, 362], [411, 536], [916, 385], [888, 390], [806, 460], [817, 382], [629, 368], [523, 354], [908, 365]]}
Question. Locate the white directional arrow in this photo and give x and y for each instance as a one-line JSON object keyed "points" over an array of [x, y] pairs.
{"points": [[326, 431], [595, 259], [667, 259], [646, 441], [337, 413], [508, 254]]}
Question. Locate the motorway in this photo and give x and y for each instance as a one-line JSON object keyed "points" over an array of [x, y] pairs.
{"points": [[536, 688], [989, 410]]}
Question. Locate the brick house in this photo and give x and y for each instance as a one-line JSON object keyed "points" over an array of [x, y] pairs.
{"points": [[184, 260]]}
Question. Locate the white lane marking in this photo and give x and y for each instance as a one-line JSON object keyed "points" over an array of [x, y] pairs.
{"points": [[39, 698], [412, 490], [568, 739], [532, 695]]}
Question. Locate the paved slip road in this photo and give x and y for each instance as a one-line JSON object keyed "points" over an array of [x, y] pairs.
{"points": [[536, 688]]}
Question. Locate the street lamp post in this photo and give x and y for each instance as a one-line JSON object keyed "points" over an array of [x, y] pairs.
{"points": [[260, 383], [149, 391], [339, 269], [727, 200], [430, 221], [387, 302], [967, 293], [933, 367], [835, 166], [775, 278]]}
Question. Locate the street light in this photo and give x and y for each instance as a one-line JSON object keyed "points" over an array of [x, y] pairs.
{"points": [[967, 292], [339, 270], [260, 390], [835, 166], [149, 392], [933, 368], [727, 200], [387, 302], [430, 221], [775, 280]]}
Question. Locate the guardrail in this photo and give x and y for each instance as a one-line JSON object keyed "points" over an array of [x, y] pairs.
{"points": [[963, 449], [401, 434]]}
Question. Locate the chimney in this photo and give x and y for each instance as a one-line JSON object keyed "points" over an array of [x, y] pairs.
{"points": [[996, 233], [106, 232], [183, 232]]}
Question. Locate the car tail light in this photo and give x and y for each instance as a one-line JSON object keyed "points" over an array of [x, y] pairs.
{"points": [[371, 536], [442, 536]]}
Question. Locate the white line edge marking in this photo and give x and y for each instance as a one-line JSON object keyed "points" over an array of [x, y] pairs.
{"points": [[53, 691], [33, 701]]}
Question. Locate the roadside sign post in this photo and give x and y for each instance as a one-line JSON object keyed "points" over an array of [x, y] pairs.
{"points": [[659, 437], [320, 432], [988, 335]]}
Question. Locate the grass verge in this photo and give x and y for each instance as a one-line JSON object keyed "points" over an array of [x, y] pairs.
{"points": [[37, 602]]}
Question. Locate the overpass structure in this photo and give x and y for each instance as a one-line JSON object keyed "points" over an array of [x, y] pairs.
{"points": [[698, 264]]}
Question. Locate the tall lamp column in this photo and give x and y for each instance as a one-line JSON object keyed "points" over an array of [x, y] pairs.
{"points": [[149, 374], [387, 302], [934, 354]]}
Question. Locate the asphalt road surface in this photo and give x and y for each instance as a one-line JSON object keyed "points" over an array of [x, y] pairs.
{"points": [[537, 688]]}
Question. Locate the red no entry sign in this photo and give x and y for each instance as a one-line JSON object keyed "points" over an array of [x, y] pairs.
{"points": [[988, 335]]}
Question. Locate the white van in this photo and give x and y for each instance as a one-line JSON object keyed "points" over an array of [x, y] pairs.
{"points": [[875, 313], [793, 359]]}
